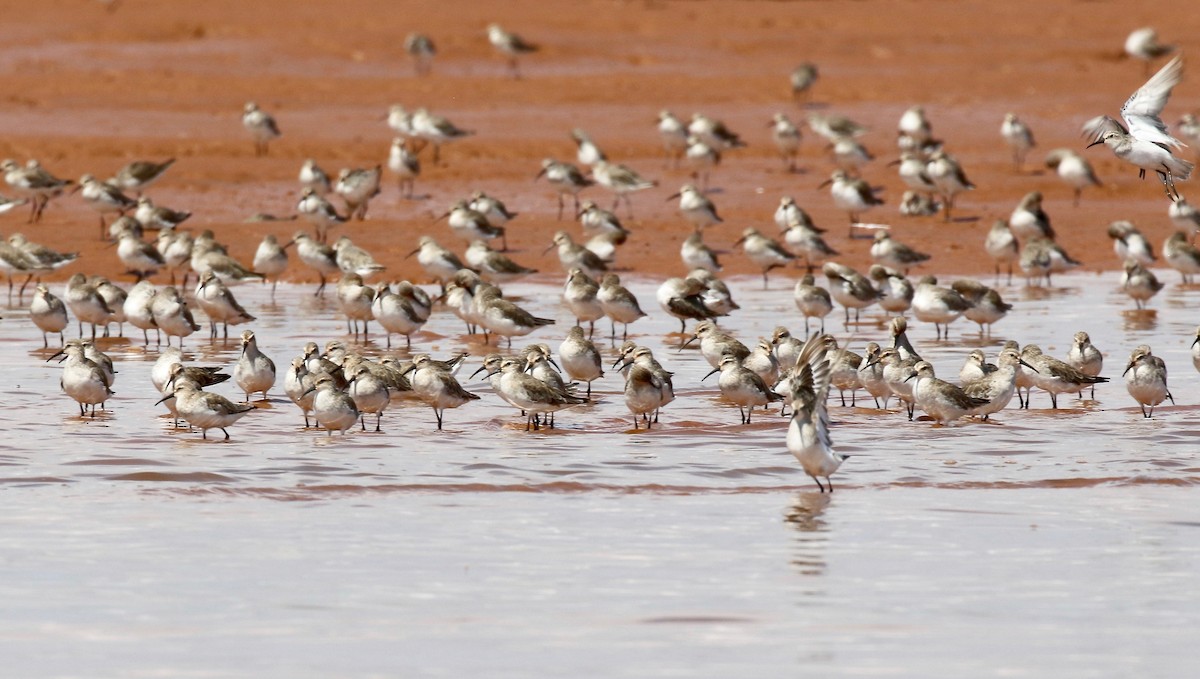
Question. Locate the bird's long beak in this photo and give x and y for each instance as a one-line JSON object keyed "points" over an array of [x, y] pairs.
{"points": [[738, 242], [1098, 141], [712, 372], [825, 183], [672, 197], [441, 217], [164, 399], [619, 364], [540, 174], [689, 341], [1196, 341], [308, 391], [1022, 362], [910, 377], [412, 253], [894, 163], [63, 351], [552, 246], [479, 370], [289, 244], [1128, 368]]}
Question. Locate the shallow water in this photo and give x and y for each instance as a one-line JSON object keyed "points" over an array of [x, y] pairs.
{"points": [[1044, 541]]}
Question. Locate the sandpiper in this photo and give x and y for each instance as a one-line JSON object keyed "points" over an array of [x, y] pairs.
{"points": [[395, 314], [701, 157], [261, 127], [217, 302], [48, 313], [153, 216], [1001, 246], [369, 393], [313, 177], [82, 379], [566, 178], [1041, 257], [892, 253], [849, 288], [40, 257], [104, 198], [511, 46], [317, 256], [948, 176], [674, 136], [789, 214], [319, 212], [941, 400], [1146, 380], [34, 182], [935, 304], [1184, 216], [801, 80], [502, 317], [494, 210], [405, 165], [717, 297], [762, 361], [870, 375], [571, 255], [853, 195], [742, 386], [580, 293], [695, 207], [806, 242], [1182, 255], [895, 290], [422, 50], [785, 347], [1018, 136], [439, 263], [586, 150], [1054, 376], [1073, 169], [436, 130], [715, 344], [786, 136], [1085, 357], [580, 358], [254, 371], [618, 303], [682, 298], [996, 386], [850, 154], [621, 180], [1143, 140], [176, 249], [834, 125], [913, 204], [531, 395], [1029, 220], [696, 255], [766, 253], [138, 309], [812, 300], [1129, 243], [351, 258], [714, 132], [915, 125], [986, 305], [643, 393], [1139, 283], [912, 170], [493, 265], [355, 299], [85, 303], [114, 296], [140, 258], [207, 410], [270, 260], [333, 408], [138, 175], [1143, 44], [470, 224], [357, 186], [172, 315]]}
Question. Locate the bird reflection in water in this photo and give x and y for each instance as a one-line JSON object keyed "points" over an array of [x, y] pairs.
{"points": [[805, 516]]}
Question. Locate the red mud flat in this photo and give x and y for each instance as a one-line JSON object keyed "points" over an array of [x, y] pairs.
{"points": [[89, 90]]}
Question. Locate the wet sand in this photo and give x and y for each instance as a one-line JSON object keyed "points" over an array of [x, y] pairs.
{"points": [[91, 91]]}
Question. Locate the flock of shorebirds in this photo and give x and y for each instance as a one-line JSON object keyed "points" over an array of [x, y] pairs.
{"points": [[339, 385]]}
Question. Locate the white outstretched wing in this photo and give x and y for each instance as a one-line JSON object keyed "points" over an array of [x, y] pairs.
{"points": [[1143, 111]]}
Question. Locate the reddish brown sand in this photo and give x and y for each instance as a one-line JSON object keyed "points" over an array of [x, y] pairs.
{"points": [[89, 90]]}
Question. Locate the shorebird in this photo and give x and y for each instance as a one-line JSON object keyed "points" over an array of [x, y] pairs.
{"points": [[766, 254], [1018, 136], [405, 165], [422, 50], [351, 258], [572, 255], [470, 224], [494, 211], [35, 183], [357, 187], [833, 126], [580, 358], [586, 150], [206, 410], [566, 178], [332, 407], [789, 214], [1040, 257], [138, 175], [313, 177], [895, 290], [853, 195], [702, 157], [986, 305], [1143, 44], [849, 288], [913, 204], [997, 385], [715, 343], [812, 300], [1129, 243], [493, 265], [218, 303], [914, 125], [1182, 255], [85, 303], [674, 136], [355, 300], [683, 299], [935, 304], [1146, 380], [742, 386], [319, 212], [1054, 376], [695, 207], [48, 313], [806, 242], [1184, 216], [436, 130], [369, 392], [317, 256], [1073, 169], [501, 317], [892, 253], [1085, 357], [801, 80], [439, 263], [850, 154], [696, 255], [580, 293], [713, 132], [82, 379], [39, 257], [1139, 283], [270, 260], [1143, 140], [104, 198], [254, 371], [621, 181], [397, 314], [941, 400], [140, 258], [261, 127], [619, 304], [786, 136], [948, 176], [511, 46], [172, 315]]}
